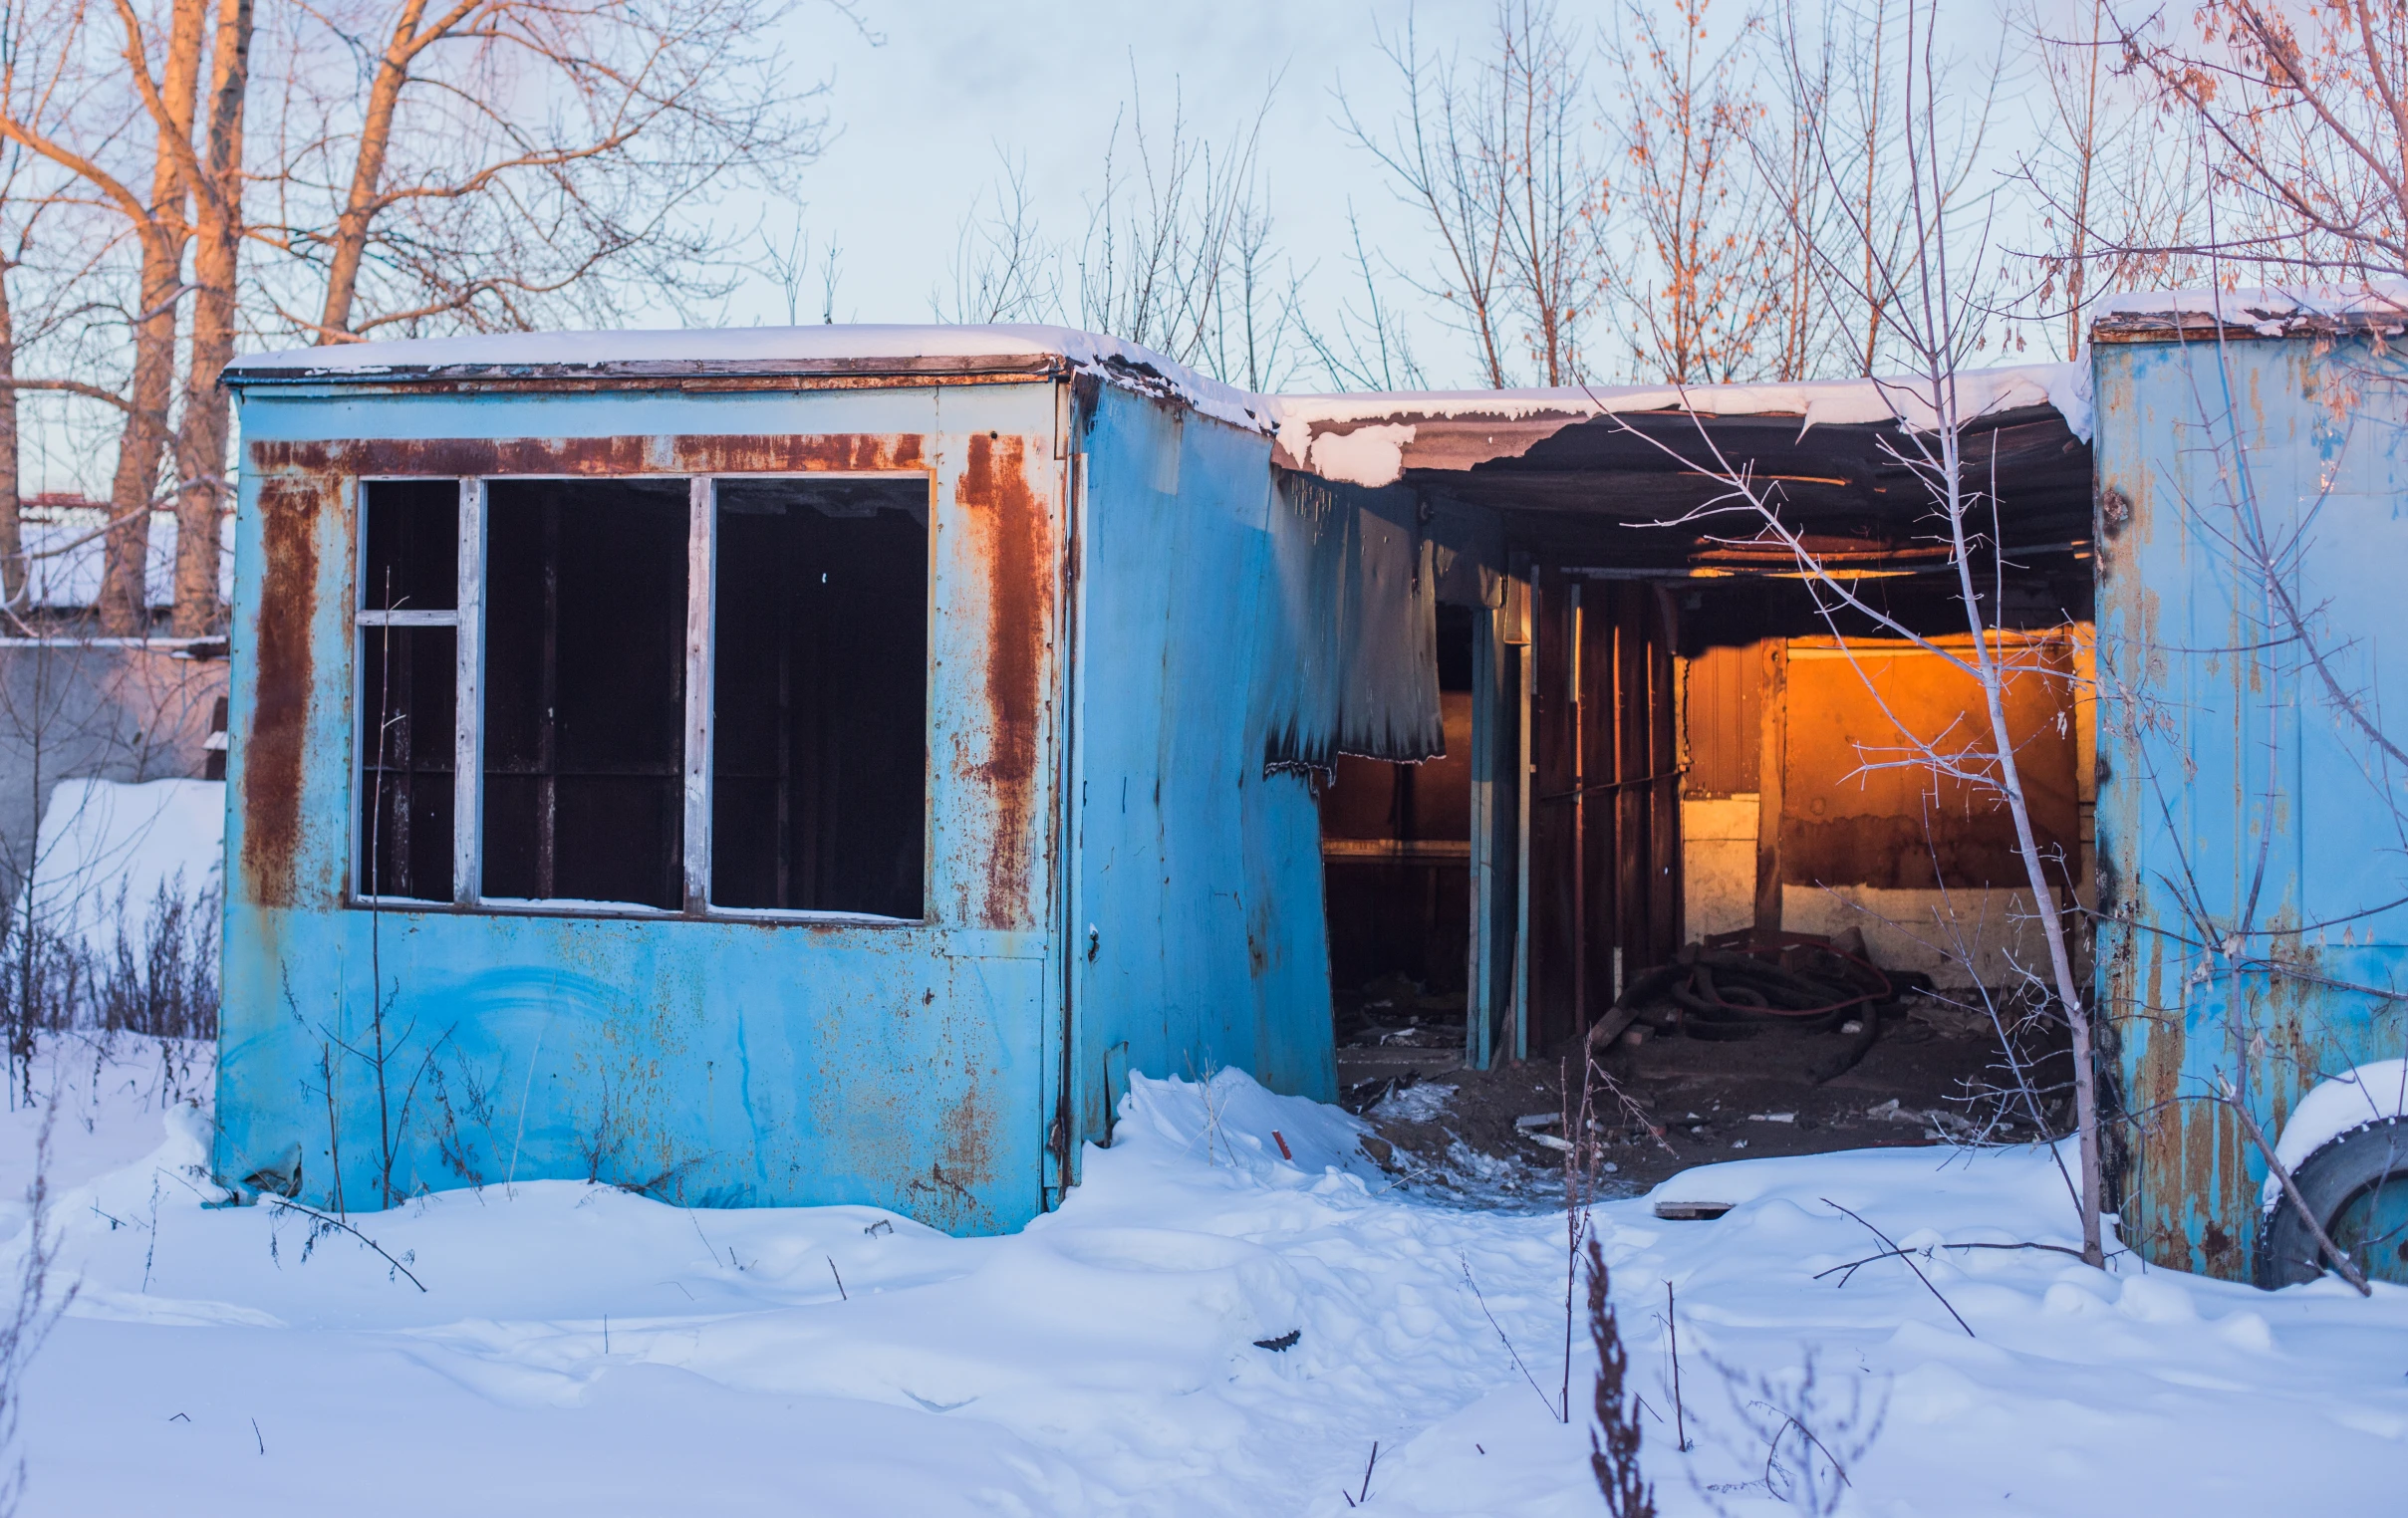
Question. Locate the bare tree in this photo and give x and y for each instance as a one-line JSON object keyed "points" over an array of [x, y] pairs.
{"points": [[2305, 110], [1700, 274], [80, 135], [1552, 190], [1795, 194], [498, 161], [1160, 262], [1362, 349], [202, 493], [1930, 297], [162, 229], [790, 264], [34, 1307], [1249, 343], [1002, 269], [1443, 155], [2108, 187]]}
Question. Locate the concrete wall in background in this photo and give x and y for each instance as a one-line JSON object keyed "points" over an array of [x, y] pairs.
{"points": [[97, 709]]}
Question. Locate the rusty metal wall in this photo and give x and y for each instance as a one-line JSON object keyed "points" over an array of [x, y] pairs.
{"points": [[719, 1062], [2250, 825], [945, 1069], [1851, 814]]}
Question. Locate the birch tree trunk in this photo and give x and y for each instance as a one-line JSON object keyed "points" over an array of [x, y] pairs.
{"points": [[200, 445], [364, 199], [123, 604]]}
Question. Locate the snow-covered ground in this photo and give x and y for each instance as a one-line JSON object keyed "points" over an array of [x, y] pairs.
{"points": [[579, 1350]]}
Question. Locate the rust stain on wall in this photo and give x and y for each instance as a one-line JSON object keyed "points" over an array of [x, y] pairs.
{"points": [[775, 453], [729, 453], [273, 750], [1009, 524], [464, 455], [968, 1136]]}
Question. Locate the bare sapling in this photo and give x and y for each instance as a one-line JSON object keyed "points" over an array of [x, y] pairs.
{"points": [[1493, 156], [2229, 1095], [1582, 1155], [1930, 298], [1614, 1442], [34, 1309], [1811, 1435]]}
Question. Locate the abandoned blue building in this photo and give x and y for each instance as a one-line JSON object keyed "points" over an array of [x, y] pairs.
{"points": [[797, 770], [818, 765]]}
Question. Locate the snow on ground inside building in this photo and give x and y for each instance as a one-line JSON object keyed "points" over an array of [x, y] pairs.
{"points": [[579, 1348]]}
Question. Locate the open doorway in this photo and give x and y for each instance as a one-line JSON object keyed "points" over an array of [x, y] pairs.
{"points": [[1692, 765], [1395, 850]]}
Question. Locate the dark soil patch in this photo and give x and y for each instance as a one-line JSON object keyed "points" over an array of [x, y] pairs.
{"points": [[1923, 1081]]}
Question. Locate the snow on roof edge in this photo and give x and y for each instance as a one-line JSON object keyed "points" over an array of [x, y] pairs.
{"points": [[2269, 310], [1125, 362], [1380, 424], [1368, 452]]}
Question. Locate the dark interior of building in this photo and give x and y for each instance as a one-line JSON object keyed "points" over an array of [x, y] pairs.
{"points": [[1681, 666]]}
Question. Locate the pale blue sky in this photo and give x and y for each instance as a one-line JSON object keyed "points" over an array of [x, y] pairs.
{"points": [[918, 119]]}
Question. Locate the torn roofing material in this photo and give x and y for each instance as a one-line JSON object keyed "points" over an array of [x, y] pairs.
{"points": [[2144, 315], [1372, 439], [866, 349]]}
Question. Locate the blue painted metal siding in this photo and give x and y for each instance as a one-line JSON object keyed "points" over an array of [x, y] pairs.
{"points": [[1198, 937], [2237, 797], [911, 1067]]}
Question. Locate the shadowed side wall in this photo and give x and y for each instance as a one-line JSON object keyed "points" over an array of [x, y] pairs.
{"points": [[1198, 937]]}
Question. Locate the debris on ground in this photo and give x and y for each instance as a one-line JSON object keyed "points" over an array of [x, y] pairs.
{"points": [[1803, 1046]]}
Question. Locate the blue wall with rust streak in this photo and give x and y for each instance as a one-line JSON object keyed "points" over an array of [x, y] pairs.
{"points": [[2233, 793]]}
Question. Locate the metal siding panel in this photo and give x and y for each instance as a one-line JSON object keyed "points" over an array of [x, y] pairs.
{"points": [[2216, 752], [1199, 873]]}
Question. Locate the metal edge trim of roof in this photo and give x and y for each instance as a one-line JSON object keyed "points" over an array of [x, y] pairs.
{"points": [[247, 372], [736, 355]]}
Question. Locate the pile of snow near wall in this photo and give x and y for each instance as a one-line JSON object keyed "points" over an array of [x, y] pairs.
{"points": [[106, 850]]}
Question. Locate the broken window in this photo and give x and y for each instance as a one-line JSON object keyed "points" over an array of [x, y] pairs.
{"points": [[819, 697], [549, 628], [585, 691], [408, 668]]}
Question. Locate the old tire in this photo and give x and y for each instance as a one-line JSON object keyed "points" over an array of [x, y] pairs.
{"points": [[2357, 1185]]}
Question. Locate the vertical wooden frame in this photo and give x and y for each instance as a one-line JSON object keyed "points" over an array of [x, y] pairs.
{"points": [[1524, 781], [359, 869], [701, 549], [1479, 983], [467, 723], [1768, 787]]}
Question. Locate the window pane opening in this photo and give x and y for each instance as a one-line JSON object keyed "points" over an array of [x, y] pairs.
{"points": [[819, 749], [406, 677], [410, 558], [409, 545], [585, 691]]}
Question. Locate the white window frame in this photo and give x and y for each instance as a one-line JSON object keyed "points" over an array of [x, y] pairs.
{"points": [[465, 617], [701, 631]]}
